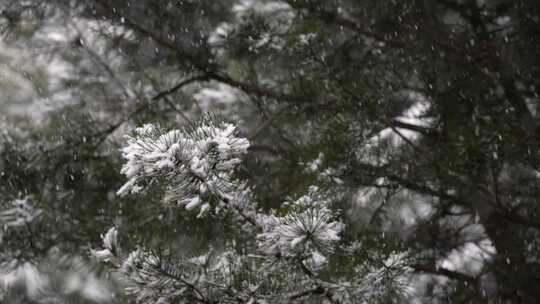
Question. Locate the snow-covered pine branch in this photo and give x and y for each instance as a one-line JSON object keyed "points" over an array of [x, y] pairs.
{"points": [[195, 164], [290, 248], [308, 228]]}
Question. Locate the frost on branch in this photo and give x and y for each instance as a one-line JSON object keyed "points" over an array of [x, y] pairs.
{"points": [[309, 228], [195, 163]]}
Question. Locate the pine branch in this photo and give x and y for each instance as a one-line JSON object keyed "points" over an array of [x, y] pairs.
{"points": [[446, 272], [180, 85], [333, 17]]}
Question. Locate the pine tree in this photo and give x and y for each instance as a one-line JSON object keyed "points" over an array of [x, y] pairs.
{"points": [[360, 151]]}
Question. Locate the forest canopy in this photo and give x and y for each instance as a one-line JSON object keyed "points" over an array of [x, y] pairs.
{"points": [[269, 151]]}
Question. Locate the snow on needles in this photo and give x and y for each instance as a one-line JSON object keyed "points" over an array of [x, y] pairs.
{"points": [[311, 229], [191, 160], [110, 244]]}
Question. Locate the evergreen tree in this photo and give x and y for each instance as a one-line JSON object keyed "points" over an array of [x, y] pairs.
{"points": [[269, 151]]}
